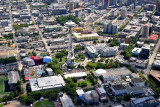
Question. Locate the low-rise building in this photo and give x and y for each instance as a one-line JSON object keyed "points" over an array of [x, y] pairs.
{"points": [[91, 51], [44, 83], [123, 46], [137, 82], [13, 78], [144, 101], [85, 37], [153, 38], [53, 28], [77, 75], [102, 94], [136, 51], [118, 89], [66, 101], [136, 90], [115, 73], [108, 51], [155, 75]]}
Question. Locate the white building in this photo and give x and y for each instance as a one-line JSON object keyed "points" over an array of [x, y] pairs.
{"points": [[91, 51], [115, 73], [44, 83], [77, 75], [123, 46], [156, 64], [109, 51]]}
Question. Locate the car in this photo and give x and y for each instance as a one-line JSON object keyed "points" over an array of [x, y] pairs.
{"points": [[31, 105]]}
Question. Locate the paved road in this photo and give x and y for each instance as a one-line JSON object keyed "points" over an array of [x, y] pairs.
{"points": [[151, 60]]}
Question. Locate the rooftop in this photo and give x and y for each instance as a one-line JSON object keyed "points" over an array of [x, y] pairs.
{"points": [[46, 83], [118, 87], [77, 74], [117, 72], [137, 80], [155, 74], [13, 77], [133, 89]]}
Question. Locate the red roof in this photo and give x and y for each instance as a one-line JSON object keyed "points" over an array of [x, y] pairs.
{"points": [[153, 37], [27, 78]]}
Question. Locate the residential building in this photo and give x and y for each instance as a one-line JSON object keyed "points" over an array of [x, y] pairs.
{"points": [[123, 13], [13, 78], [110, 28], [145, 52], [136, 51], [145, 31], [53, 28], [43, 83], [95, 96]]}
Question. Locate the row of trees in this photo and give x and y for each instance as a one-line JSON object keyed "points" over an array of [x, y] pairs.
{"points": [[8, 60], [8, 36], [78, 48], [36, 95], [98, 65]]}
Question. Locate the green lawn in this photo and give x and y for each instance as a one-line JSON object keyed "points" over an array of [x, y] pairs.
{"points": [[45, 102], [4, 88], [1, 105], [88, 83]]}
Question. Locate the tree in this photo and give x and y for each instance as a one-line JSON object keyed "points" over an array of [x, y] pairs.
{"points": [[93, 59], [23, 98], [94, 42], [74, 79], [34, 53], [83, 84], [30, 100]]}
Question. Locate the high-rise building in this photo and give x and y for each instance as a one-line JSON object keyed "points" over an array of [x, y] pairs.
{"points": [[145, 31], [110, 28], [158, 7], [123, 13], [106, 3], [121, 3]]}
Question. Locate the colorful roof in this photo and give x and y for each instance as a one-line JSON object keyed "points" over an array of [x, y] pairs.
{"points": [[153, 37]]}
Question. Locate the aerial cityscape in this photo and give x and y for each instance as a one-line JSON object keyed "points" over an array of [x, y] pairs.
{"points": [[79, 53]]}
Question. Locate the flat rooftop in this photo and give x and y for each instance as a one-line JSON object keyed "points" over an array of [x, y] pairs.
{"points": [[46, 83], [155, 74]]}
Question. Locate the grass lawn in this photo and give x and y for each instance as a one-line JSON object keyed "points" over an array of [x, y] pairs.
{"points": [[1, 105], [88, 83], [45, 102], [4, 88]]}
